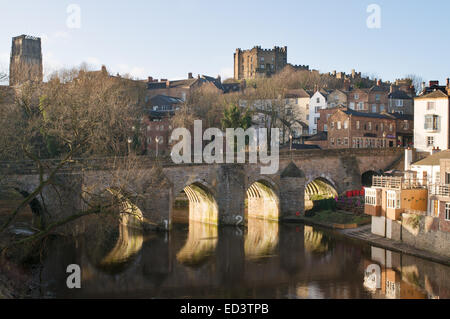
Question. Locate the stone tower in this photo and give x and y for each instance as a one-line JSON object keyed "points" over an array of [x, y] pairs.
{"points": [[26, 60], [258, 62]]}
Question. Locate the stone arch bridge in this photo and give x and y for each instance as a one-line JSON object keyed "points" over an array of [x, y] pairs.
{"points": [[216, 192]]}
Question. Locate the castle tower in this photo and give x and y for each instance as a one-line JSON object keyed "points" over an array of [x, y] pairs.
{"points": [[26, 60], [258, 62]]}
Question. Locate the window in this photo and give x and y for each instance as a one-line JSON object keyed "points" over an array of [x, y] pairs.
{"points": [[399, 103], [371, 197], [447, 211], [369, 126], [393, 200], [391, 127], [325, 127], [405, 125], [332, 140], [317, 109], [357, 125], [381, 108], [374, 108], [361, 106], [262, 59], [316, 119], [447, 178], [318, 100], [339, 125], [345, 124], [430, 141], [356, 96], [332, 124], [377, 97], [262, 66], [352, 105], [431, 106], [338, 141], [431, 122], [345, 140]]}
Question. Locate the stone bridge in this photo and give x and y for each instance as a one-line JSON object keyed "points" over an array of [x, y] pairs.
{"points": [[216, 192]]}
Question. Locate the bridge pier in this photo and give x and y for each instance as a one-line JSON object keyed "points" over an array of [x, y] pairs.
{"points": [[292, 192], [231, 194]]}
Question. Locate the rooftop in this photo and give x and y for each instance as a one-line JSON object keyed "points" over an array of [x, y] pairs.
{"points": [[434, 160]]}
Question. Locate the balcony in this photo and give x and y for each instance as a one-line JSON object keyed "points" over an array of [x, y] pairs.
{"points": [[440, 190], [398, 182]]}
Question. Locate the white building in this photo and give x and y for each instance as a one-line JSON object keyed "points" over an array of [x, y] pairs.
{"points": [[318, 101], [431, 120]]}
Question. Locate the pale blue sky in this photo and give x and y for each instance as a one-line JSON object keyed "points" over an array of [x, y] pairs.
{"points": [[168, 39]]}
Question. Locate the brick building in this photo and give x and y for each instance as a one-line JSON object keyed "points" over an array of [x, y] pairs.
{"points": [[351, 129], [400, 102], [157, 125], [182, 88]]}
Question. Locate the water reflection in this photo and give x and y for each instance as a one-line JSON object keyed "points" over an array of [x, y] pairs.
{"points": [[268, 260], [398, 276], [262, 238], [200, 245], [315, 241]]}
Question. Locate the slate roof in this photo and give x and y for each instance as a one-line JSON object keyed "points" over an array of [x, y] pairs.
{"points": [[159, 100], [434, 94], [371, 115], [399, 95], [321, 136], [434, 159]]}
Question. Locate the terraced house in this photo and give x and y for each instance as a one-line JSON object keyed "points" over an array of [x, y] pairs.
{"points": [[352, 129]]}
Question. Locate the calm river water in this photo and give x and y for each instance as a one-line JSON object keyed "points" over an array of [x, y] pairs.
{"points": [[266, 260]]}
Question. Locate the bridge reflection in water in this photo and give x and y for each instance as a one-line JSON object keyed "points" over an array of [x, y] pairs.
{"points": [[267, 260]]}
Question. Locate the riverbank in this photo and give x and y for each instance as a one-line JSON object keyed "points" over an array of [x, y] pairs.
{"points": [[364, 233]]}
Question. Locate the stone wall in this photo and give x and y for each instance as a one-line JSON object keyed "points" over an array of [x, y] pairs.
{"points": [[423, 232]]}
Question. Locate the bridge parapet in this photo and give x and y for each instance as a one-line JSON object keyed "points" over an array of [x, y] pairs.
{"points": [[111, 163]]}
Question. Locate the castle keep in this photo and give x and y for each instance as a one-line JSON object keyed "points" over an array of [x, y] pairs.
{"points": [[26, 60], [258, 62]]}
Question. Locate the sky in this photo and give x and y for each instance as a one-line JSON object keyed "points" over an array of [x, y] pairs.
{"points": [[168, 39]]}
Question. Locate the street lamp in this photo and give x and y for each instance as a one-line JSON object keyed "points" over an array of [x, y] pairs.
{"points": [[157, 139], [130, 140]]}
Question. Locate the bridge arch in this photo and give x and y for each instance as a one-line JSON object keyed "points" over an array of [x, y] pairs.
{"points": [[319, 188], [366, 178], [263, 199], [14, 194], [203, 206]]}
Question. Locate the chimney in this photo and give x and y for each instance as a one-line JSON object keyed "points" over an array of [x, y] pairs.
{"points": [[448, 83], [104, 71], [150, 79], [379, 82], [347, 85], [408, 158], [167, 84], [392, 89], [434, 83], [190, 75], [219, 79]]}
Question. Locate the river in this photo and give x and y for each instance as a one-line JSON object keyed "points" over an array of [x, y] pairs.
{"points": [[265, 260]]}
